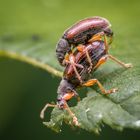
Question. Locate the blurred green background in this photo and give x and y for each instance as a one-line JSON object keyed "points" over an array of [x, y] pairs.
{"points": [[25, 89]]}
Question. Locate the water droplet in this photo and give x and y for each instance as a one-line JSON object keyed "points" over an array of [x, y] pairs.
{"points": [[100, 115], [137, 123], [88, 109]]}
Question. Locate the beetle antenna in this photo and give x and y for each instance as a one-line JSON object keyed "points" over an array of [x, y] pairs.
{"points": [[44, 109]]}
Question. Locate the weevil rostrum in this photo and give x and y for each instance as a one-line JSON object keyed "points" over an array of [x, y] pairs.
{"points": [[86, 58]]}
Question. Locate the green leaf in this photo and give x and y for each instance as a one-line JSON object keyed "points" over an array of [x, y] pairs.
{"points": [[118, 110], [29, 31], [38, 53]]}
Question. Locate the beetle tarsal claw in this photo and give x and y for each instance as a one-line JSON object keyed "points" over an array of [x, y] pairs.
{"points": [[128, 65], [111, 91], [75, 121], [114, 90]]}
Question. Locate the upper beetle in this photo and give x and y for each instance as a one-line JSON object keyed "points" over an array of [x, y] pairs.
{"points": [[80, 33]]}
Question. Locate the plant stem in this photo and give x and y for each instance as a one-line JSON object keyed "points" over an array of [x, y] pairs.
{"points": [[31, 61]]}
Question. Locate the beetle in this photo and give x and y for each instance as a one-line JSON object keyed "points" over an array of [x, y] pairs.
{"points": [[74, 78], [80, 33]]}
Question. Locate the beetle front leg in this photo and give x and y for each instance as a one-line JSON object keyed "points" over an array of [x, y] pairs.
{"points": [[66, 107], [74, 65], [74, 118], [128, 65], [66, 59]]}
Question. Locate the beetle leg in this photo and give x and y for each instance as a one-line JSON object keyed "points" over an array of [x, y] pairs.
{"points": [[101, 34], [91, 82], [79, 65], [77, 74], [74, 65], [78, 98], [101, 61], [80, 48], [128, 65], [66, 107], [44, 109], [106, 44], [104, 59], [65, 61], [71, 60], [89, 60], [77, 95], [74, 118], [68, 96], [96, 37]]}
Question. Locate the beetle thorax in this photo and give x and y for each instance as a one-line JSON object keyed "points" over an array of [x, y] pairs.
{"points": [[65, 92]]}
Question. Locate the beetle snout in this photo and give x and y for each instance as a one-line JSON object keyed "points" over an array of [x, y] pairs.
{"points": [[61, 103], [108, 32]]}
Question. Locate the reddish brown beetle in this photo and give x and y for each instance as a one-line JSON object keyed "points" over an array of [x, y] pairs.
{"points": [[80, 33], [74, 78]]}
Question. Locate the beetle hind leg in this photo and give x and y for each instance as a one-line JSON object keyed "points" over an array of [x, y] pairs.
{"points": [[127, 65], [101, 61], [91, 82]]}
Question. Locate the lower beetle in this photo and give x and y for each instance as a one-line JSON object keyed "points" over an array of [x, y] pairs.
{"points": [[80, 33], [77, 71]]}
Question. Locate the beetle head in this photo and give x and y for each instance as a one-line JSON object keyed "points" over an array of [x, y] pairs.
{"points": [[109, 33], [62, 48], [65, 92]]}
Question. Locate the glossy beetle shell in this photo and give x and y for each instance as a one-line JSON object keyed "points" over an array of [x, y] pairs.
{"points": [[80, 33], [85, 29]]}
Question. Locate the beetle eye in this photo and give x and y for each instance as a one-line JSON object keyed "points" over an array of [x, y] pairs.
{"points": [[108, 32], [69, 90]]}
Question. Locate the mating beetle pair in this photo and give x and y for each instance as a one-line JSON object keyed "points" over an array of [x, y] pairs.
{"points": [[82, 49]]}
